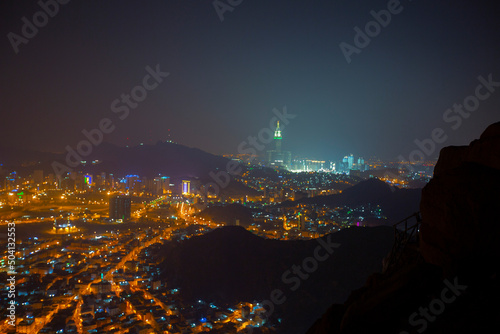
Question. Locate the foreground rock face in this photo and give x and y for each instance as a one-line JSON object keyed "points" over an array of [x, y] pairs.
{"points": [[460, 218], [460, 205], [484, 151], [459, 245]]}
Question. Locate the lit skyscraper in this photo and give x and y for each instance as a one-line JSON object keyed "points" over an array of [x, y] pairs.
{"points": [[88, 180], [278, 138], [186, 187], [350, 160], [361, 164], [278, 157], [119, 207]]}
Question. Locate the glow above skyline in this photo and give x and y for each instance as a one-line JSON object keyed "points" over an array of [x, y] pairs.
{"points": [[226, 77]]}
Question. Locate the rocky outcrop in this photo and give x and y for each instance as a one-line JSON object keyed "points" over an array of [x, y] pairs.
{"points": [[460, 206], [460, 214], [459, 243], [484, 151]]}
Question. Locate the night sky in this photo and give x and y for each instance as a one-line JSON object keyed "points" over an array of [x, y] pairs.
{"points": [[227, 76]]}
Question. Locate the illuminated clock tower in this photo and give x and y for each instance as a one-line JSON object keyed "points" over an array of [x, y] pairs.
{"points": [[278, 158], [278, 138]]}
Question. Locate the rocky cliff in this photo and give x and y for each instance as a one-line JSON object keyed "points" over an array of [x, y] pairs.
{"points": [[448, 282]]}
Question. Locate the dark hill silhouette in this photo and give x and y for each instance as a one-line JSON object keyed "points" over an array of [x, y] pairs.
{"points": [[396, 203], [230, 265], [146, 160], [174, 160], [367, 191], [228, 214], [169, 159], [25, 160]]}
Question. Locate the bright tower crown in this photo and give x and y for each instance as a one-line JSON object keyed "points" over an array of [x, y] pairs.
{"points": [[277, 133]]}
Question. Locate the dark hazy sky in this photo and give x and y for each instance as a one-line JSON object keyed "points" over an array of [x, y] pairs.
{"points": [[227, 76]]}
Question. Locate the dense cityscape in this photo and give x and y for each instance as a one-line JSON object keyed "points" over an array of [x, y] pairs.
{"points": [[88, 260]]}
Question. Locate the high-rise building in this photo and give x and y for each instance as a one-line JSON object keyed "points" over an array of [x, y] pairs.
{"points": [[344, 166], [361, 164], [38, 177], [153, 186], [186, 187], [350, 161], [110, 181], [119, 207], [278, 157], [165, 184], [301, 224], [131, 180], [88, 180], [100, 180], [278, 138]]}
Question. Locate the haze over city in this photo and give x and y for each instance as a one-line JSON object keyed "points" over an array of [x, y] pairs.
{"points": [[227, 76]]}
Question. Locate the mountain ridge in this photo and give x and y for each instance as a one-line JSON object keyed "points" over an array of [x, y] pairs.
{"points": [[171, 159]]}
